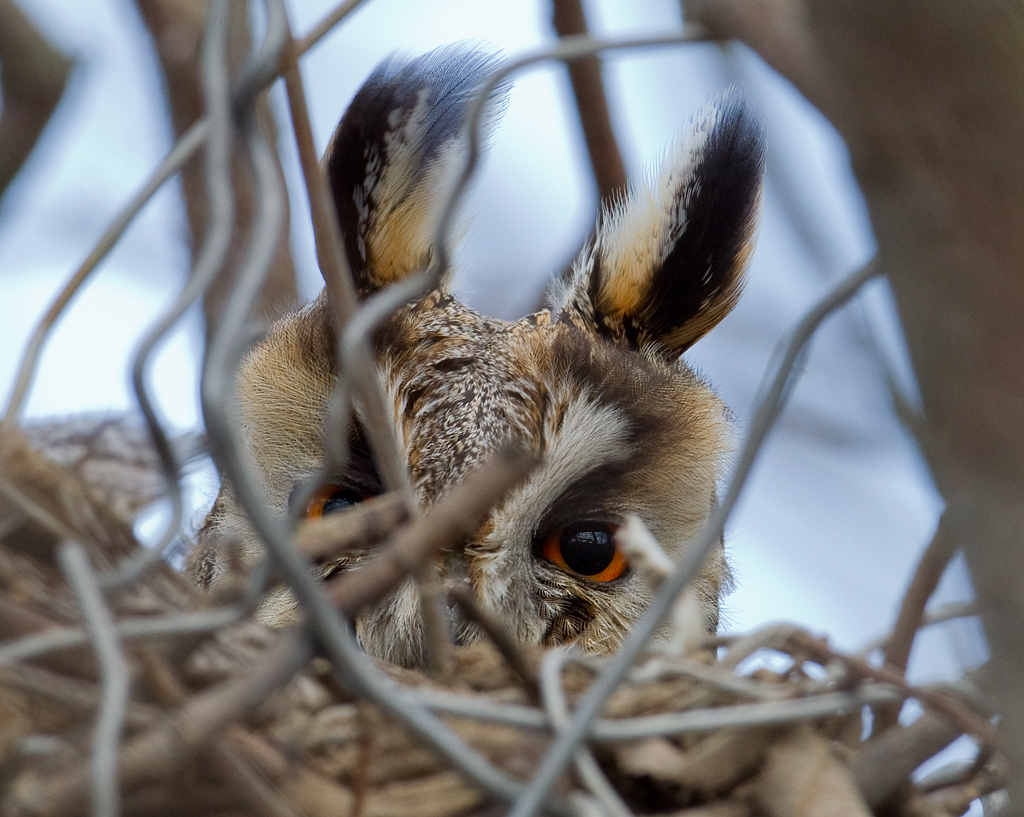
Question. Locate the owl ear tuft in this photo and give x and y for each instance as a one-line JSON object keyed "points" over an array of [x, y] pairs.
{"points": [[396, 153], [667, 263]]}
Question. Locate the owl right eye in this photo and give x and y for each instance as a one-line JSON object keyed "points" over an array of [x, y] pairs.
{"points": [[331, 499], [587, 549]]}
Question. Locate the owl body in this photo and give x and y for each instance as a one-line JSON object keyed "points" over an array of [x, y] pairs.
{"points": [[594, 386]]}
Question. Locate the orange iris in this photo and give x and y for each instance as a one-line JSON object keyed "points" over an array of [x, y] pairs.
{"points": [[587, 549], [331, 499]]}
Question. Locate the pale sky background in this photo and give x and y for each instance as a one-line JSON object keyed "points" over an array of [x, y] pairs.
{"points": [[840, 504]]}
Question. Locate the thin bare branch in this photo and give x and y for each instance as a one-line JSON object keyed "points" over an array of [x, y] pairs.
{"points": [[176, 27], [587, 769], [329, 21], [672, 724], [926, 578], [459, 513], [648, 558], [884, 765], [364, 525], [104, 788], [763, 713], [568, 19], [937, 700], [156, 628], [341, 293], [930, 567], [938, 615], [499, 635]]}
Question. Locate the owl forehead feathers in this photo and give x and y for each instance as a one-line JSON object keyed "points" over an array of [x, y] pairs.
{"points": [[595, 386], [462, 385]]}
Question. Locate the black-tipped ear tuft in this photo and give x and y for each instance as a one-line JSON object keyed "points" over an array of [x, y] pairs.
{"points": [[395, 153], [667, 263]]}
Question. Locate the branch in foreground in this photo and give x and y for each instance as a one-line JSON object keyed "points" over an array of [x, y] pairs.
{"points": [[176, 27], [926, 577], [886, 763], [458, 514], [364, 525], [499, 635], [944, 704]]}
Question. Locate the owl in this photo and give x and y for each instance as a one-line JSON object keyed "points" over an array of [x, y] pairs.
{"points": [[595, 385]]}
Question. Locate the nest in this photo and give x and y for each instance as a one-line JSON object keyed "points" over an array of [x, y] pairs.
{"points": [[149, 696]]}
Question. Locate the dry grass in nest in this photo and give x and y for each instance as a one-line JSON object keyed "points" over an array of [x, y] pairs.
{"points": [[225, 717]]}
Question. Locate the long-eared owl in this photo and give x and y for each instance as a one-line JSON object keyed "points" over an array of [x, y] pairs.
{"points": [[595, 385]]}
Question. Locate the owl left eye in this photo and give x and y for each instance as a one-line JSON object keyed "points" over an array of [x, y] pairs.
{"points": [[331, 499], [588, 549]]}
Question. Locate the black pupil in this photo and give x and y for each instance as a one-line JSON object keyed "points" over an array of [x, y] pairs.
{"points": [[340, 500], [588, 547]]}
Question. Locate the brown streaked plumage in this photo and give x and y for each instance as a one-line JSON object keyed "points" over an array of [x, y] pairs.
{"points": [[595, 385]]}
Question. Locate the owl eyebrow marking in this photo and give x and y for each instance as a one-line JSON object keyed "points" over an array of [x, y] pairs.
{"points": [[360, 472], [588, 434], [590, 448], [593, 495], [361, 458]]}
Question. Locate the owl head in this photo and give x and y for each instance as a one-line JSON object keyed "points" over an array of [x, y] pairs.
{"points": [[595, 386]]}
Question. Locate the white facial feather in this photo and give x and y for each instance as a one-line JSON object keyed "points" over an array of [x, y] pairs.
{"points": [[591, 436]]}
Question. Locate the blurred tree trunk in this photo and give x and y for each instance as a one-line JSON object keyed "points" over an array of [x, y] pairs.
{"points": [[33, 76], [568, 19], [177, 30], [929, 95]]}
